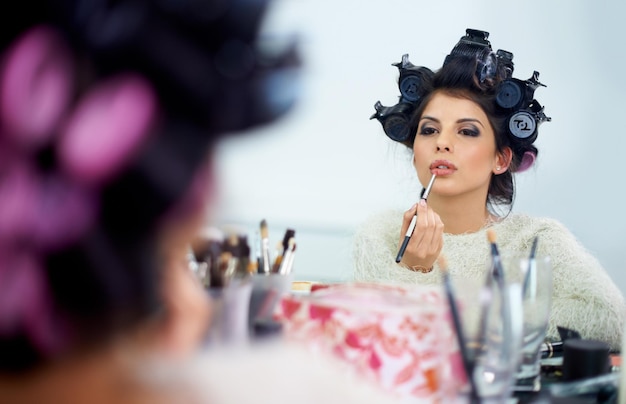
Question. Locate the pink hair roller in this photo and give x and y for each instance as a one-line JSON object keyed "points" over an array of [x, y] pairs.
{"points": [[528, 159], [108, 125], [35, 86], [19, 194], [63, 212]]}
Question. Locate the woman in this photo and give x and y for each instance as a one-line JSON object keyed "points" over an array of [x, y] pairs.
{"points": [[473, 126], [108, 116]]}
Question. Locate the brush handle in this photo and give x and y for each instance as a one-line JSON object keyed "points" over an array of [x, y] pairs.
{"points": [[551, 349], [498, 271], [266, 266], [530, 279], [529, 286], [468, 364], [287, 263], [407, 237], [405, 242]]}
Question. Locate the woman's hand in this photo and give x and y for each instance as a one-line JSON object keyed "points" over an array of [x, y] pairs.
{"points": [[427, 239]]}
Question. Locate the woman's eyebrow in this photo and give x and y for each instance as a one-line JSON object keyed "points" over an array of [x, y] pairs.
{"points": [[429, 118], [462, 120]]}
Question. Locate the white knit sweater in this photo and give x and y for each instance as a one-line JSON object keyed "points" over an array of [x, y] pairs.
{"points": [[584, 296]]}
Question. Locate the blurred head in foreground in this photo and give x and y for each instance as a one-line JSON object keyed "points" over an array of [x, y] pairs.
{"points": [[108, 115]]}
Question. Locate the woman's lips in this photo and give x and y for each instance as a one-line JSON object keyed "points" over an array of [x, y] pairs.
{"points": [[442, 167]]}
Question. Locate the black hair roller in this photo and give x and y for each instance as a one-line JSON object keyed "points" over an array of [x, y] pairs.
{"points": [[473, 44], [517, 96], [522, 125], [505, 63], [396, 120], [511, 94], [196, 73], [514, 97], [411, 81]]}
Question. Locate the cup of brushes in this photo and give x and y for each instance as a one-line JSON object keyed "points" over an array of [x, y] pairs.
{"points": [[225, 267], [271, 280], [500, 319]]}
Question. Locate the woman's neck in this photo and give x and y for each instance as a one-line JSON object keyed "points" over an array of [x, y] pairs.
{"points": [[461, 214]]}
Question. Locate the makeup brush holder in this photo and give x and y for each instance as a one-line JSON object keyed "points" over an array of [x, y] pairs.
{"points": [[267, 291], [229, 323]]}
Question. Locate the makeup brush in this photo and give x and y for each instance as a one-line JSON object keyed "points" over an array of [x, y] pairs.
{"points": [[554, 349], [530, 278], [265, 265], [253, 267], [550, 349], [505, 306], [207, 248], [286, 264], [289, 233], [243, 263], [231, 245], [468, 364], [486, 294], [280, 251], [498, 272], [409, 231]]}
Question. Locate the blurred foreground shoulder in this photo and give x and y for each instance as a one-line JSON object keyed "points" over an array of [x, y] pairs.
{"points": [[272, 373]]}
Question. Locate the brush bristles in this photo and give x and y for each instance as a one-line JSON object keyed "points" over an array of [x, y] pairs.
{"points": [[491, 236], [253, 267], [264, 231], [289, 233]]}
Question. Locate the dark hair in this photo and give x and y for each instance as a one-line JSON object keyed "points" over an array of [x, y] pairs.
{"points": [[458, 78], [473, 71], [210, 78]]}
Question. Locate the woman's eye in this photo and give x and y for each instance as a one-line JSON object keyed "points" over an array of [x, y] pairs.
{"points": [[425, 130], [470, 132]]}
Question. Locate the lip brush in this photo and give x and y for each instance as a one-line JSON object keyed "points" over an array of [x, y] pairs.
{"points": [[409, 231]]}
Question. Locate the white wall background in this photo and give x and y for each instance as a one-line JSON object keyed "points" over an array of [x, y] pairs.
{"points": [[325, 167]]}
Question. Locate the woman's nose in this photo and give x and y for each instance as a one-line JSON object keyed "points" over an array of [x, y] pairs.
{"points": [[445, 142]]}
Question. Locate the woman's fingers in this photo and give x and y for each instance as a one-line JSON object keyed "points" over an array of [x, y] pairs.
{"points": [[427, 239], [433, 234]]}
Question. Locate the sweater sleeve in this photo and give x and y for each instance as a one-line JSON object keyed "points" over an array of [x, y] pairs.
{"points": [[584, 296], [374, 248]]}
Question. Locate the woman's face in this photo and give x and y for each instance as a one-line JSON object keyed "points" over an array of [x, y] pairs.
{"points": [[456, 141]]}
